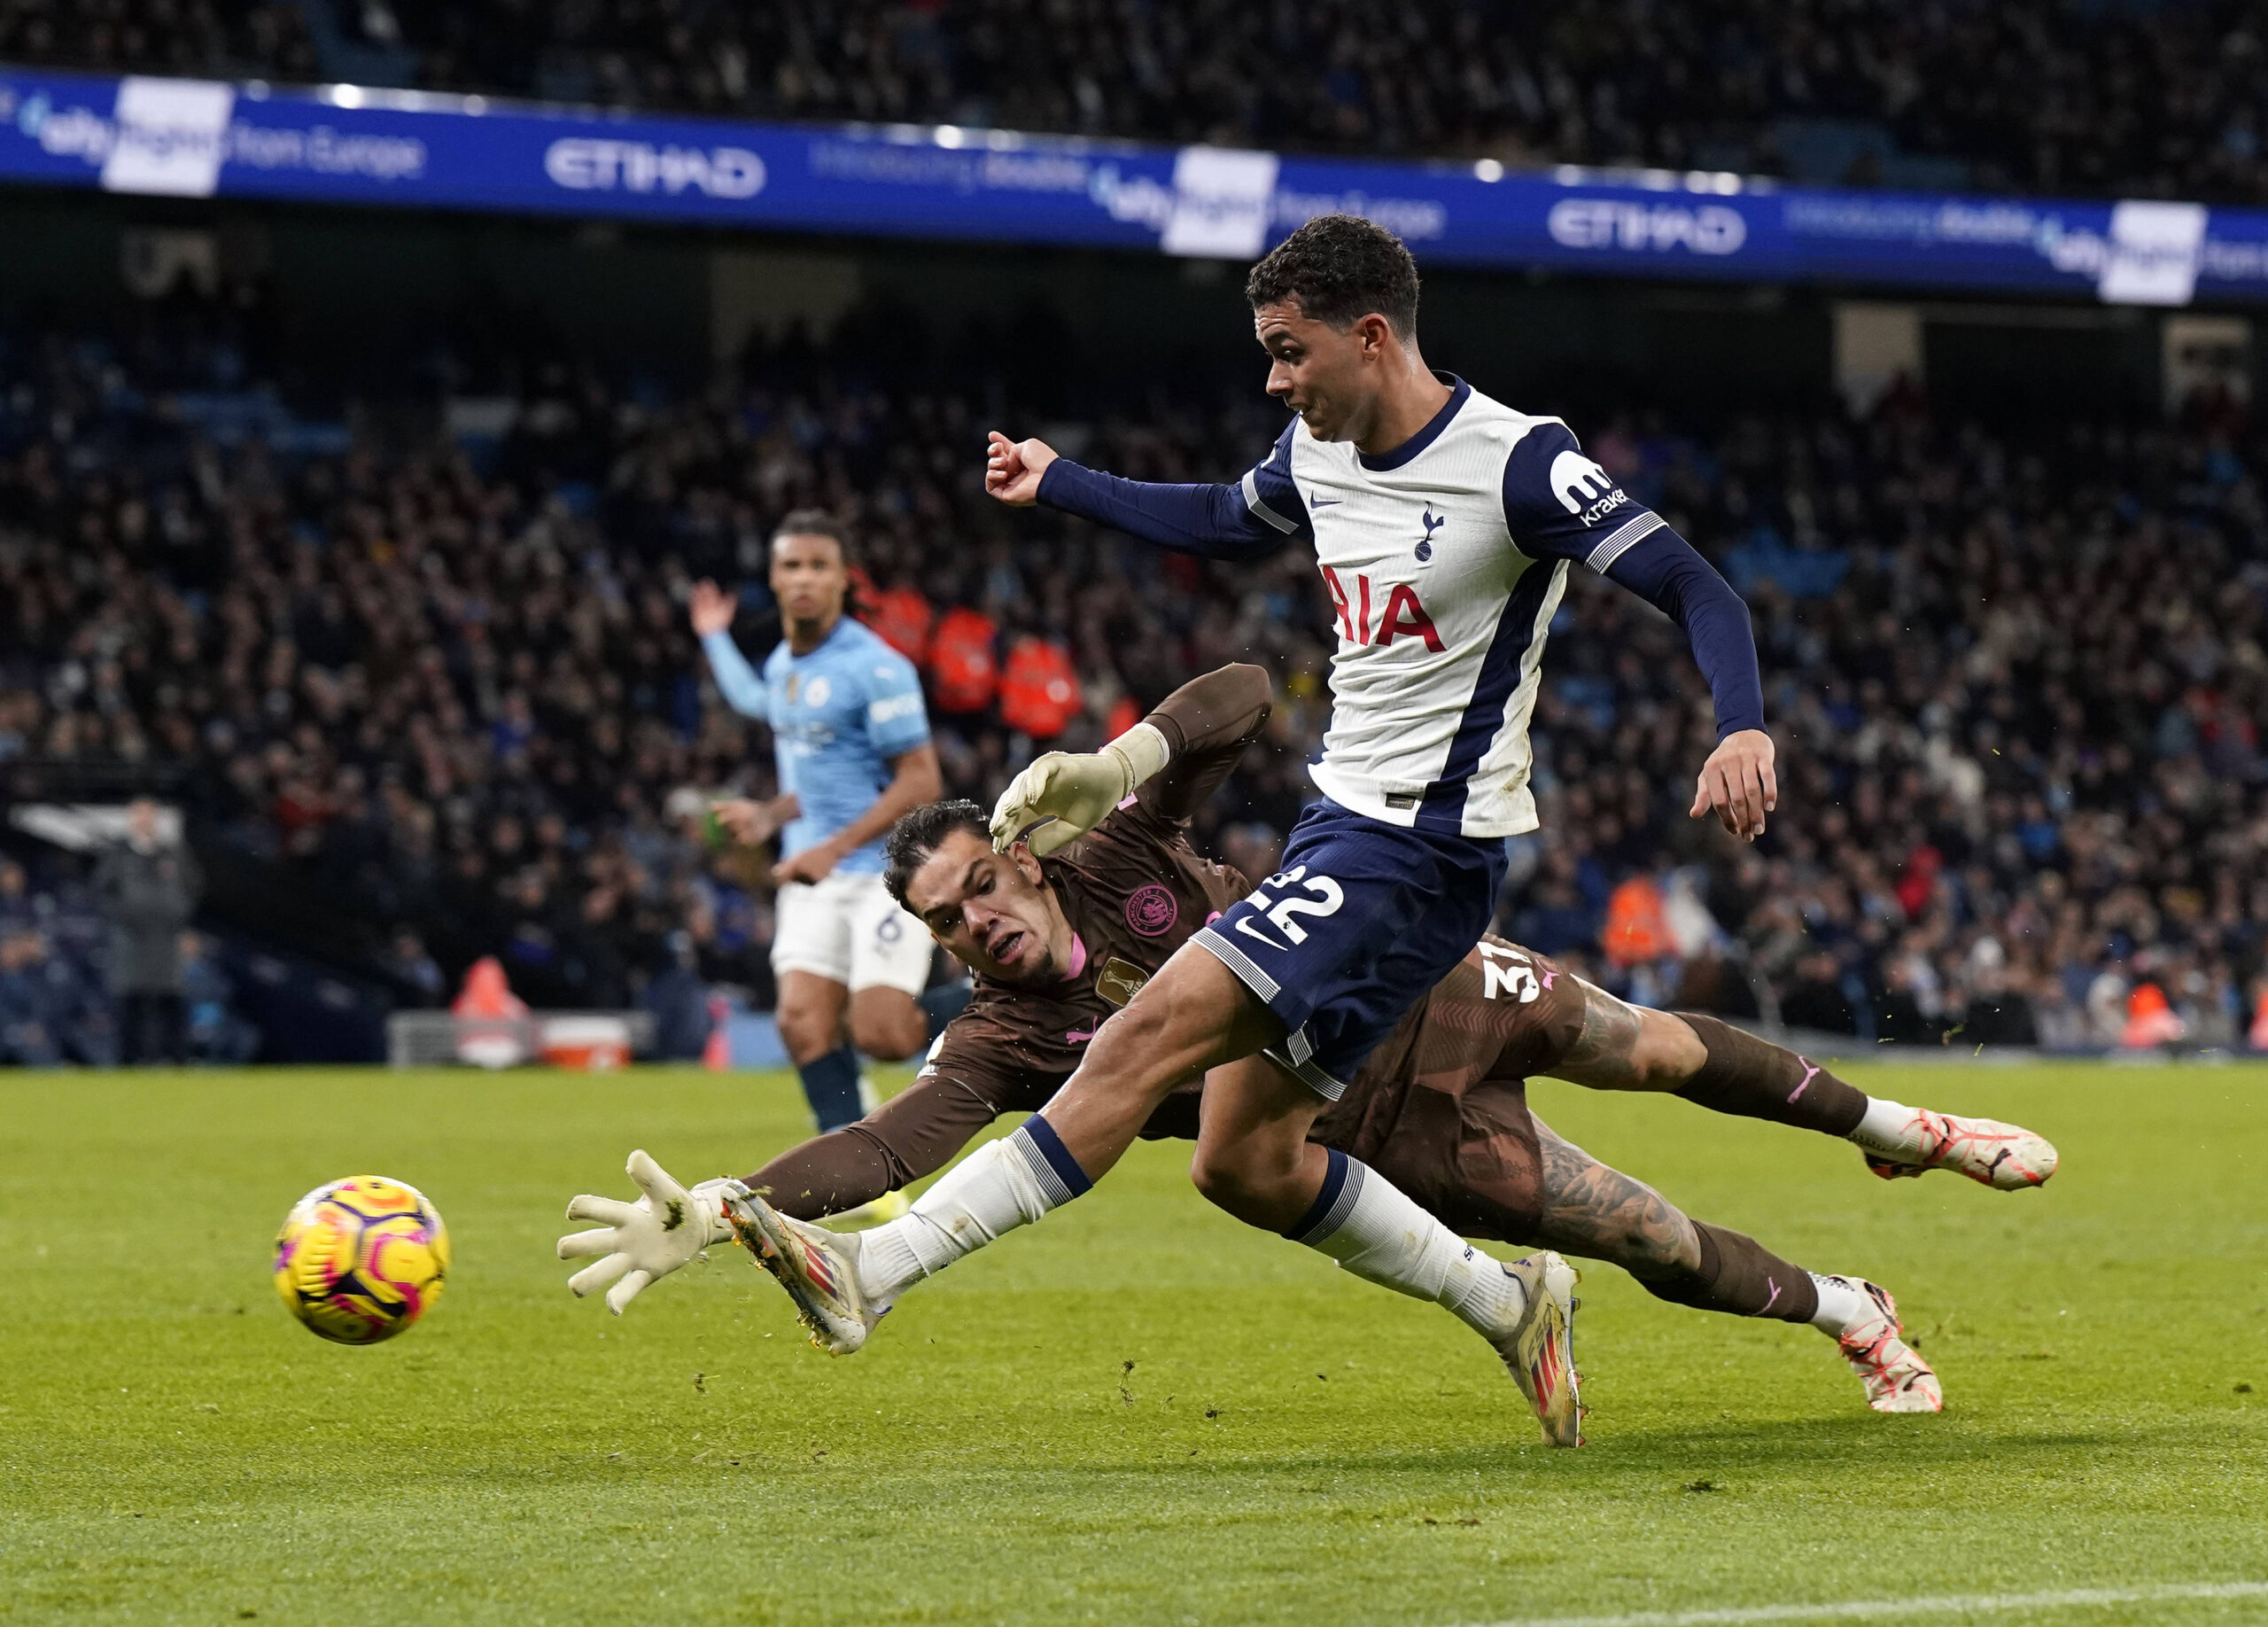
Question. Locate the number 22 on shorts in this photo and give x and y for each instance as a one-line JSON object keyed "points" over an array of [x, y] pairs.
{"points": [[1283, 913]]}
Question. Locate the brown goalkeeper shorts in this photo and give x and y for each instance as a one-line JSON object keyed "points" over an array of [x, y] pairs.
{"points": [[1445, 1116]]}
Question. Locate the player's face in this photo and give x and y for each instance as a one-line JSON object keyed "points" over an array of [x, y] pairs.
{"points": [[990, 909], [808, 576], [1327, 376]]}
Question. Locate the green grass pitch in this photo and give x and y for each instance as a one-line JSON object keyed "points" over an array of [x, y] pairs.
{"points": [[1136, 1412]]}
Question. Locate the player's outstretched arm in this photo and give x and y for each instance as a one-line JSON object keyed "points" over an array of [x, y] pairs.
{"points": [[1737, 783], [916, 1133], [636, 1242], [710, 611], [1209, 721], [1560, 504], [1217, 521]]}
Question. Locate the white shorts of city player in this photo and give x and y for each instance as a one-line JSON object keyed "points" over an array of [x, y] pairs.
{"points": [[848, 929]]}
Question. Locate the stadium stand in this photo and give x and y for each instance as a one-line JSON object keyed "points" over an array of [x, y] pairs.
{"points": [[2046, 96], [228, 39], [440, 698]]}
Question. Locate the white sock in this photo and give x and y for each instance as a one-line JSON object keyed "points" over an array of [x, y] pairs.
{"points": [[999, 1186], [1889, 1128], [869, 1098], [1843, 1305], [1370, 1228]]}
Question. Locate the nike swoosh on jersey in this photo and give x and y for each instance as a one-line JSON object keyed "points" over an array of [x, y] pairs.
{"points": [[1324, 502], [1244, 925]]}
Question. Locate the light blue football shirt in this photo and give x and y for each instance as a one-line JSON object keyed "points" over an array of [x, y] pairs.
{"points": [[838, 715]]}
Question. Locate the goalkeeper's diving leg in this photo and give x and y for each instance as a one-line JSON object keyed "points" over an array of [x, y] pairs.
{"points": [[1713, 1064]]}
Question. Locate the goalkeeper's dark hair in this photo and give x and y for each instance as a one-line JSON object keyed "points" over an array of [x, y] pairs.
{"points": [[920, 833], [1339, 268]]}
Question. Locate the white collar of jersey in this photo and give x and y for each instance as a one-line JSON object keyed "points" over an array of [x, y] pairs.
{"points": [[1460, 393]]}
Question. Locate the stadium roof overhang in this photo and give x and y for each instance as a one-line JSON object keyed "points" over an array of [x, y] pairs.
{"points": [[346, 144]]}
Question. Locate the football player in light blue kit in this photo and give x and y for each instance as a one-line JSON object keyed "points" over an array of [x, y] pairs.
{"points": [[852, 744]]}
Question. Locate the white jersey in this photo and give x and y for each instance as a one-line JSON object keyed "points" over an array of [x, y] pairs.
{"points": [[1445, 560]]}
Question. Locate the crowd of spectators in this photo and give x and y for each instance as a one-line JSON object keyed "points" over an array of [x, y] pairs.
{"points": [[2055, 95], [2015, 677], [267, 39]]}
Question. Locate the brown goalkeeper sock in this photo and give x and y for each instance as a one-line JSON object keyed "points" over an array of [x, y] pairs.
{"points": [[1740, 1277], [1754, 1079]]}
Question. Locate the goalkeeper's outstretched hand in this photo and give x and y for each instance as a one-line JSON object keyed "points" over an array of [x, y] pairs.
{"points": [[1059, 797], [642, 1240]]}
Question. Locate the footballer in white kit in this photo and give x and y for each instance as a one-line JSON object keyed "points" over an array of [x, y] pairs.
{"points": [[852, 745], [1445, 556]]}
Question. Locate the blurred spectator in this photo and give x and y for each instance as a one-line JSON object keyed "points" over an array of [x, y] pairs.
{"points": [[679, 1001], [15, 898], [149, 890], [211, 1030], [408, 964], [51, 1011], [28, 1037]]}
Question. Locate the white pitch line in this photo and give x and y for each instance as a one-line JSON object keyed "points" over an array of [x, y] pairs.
{"points": [[1858, 1608]]}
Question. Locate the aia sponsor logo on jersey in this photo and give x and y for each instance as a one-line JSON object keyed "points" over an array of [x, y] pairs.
{"points": [[1401, 613]]}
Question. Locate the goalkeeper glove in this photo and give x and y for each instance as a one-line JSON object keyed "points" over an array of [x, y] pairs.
{"points": [[1061, 797], [649, 1239]]}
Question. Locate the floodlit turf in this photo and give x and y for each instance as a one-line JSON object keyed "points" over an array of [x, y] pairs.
{"points": [[1136, 1412]]}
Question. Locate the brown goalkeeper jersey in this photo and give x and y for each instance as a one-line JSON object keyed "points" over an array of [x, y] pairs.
{"points": [[1134, 889]]}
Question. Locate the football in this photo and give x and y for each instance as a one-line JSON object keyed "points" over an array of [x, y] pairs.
{"points": [[360, 1259]]}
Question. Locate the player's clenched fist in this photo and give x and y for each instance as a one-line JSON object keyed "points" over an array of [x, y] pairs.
{"points": [[1737, 783], [1064, 794], [642, 1240], [1012, 468]]}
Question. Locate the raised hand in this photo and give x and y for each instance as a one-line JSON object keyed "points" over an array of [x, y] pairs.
{"points": [[1737, 783], [1012, 468], [711, 608], [1058, 798]]}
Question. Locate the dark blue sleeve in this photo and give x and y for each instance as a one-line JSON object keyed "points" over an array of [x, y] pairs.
{"points": [[1561, 505], [1248, 520], [1663, 568]]}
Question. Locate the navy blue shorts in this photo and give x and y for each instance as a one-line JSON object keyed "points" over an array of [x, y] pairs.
{"points": [[1364, 918]]}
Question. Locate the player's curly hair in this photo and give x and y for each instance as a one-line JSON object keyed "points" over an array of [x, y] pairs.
{"points": [[919, 834], [1340, 268]]}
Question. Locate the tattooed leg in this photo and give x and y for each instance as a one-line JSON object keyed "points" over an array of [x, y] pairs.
{"points": [[1591, 1210], [1623, 1046]]}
